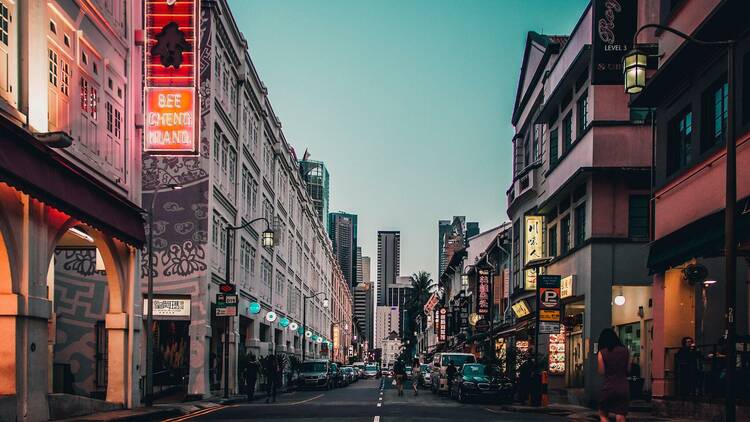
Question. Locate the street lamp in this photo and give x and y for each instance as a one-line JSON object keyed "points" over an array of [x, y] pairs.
{"points": [[268, 242], [730, 246], [149, 399], [634, 69], [304, 319]]}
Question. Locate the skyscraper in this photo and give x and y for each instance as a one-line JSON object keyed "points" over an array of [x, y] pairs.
{"points": [[363, 298], [342, 229], [366, 278], [389, 262], [316, 178], [358, 264]]}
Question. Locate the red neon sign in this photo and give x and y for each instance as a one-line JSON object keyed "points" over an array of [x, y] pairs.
{"points": [[171, 76]]}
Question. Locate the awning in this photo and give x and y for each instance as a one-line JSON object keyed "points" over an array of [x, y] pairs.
{"points": [[33, 168], [699, 239]]}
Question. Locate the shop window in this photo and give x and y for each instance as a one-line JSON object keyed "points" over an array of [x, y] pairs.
{"points": [[715, 106], [638, 217], [565, 235], [679, 141], [582, 110], [552, 240], [580, 222], [567, 132], [553, 145]]}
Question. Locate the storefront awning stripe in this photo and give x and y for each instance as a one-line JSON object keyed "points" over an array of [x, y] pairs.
{"points": [[33, 168]]}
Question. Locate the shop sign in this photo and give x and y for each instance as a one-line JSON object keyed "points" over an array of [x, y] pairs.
{"points": [[431, 302], [532, 246], [549, 327], [442, 324], [566, 287], [436, 321], [557, 352], [168, 307], [549, 316], [464, 318], [614, 25], [483, 298], [521, 309], [549, 298], [482, 325], [506, 283], [170, 88], [226, 304]]}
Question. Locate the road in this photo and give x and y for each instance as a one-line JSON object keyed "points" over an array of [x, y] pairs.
{"points": [[364, 401]]}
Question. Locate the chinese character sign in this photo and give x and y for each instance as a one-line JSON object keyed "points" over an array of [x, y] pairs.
{"points": [[532, 246], [171, 68], [483, 296], [442, 324]]}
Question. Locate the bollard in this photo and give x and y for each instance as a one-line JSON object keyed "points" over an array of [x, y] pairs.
{"points": [[545, 394]]}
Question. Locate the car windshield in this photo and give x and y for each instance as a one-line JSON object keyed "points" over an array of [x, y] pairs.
{"points": [[313, 367], [474, 369], [458, 360], [371, 368]]}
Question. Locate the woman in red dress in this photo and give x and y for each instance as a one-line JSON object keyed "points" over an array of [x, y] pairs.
{"points": [[613, 360]]}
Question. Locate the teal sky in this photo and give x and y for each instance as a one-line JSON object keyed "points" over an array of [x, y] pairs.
{"points": [[407, 102]]}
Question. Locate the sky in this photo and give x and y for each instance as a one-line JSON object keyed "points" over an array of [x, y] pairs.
{"points": [[407, 102]]}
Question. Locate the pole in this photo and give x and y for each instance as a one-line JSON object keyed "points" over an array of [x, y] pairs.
{"points": [[150, 317], [304, 326], [729, 238], [228, 319]]}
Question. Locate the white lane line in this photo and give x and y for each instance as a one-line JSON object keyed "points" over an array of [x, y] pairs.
{"points": [[380, 399], [377, 419], [380, 404]]}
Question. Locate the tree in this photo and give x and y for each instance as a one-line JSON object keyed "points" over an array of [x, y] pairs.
{"points": [[422, 288]]}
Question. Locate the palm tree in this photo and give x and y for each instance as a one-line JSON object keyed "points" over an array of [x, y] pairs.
{"points": [[423, 287]]}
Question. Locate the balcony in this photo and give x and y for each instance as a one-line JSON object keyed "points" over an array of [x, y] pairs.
{"points": [[523, 184]]}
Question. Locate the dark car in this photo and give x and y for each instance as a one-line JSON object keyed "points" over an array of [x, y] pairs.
{"points": [[337, 377], [315, 373], [476, 380]]}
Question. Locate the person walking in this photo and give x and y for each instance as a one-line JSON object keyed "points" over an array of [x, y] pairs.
{"points": [[450, 373], [687, 364], [251, 376], [399, 372], [613, 359], [272, 377], [416, 368]]}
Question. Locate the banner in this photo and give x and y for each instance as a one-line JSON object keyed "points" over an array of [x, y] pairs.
{"points": [[614, 24], [532, 246], [483, 296]]}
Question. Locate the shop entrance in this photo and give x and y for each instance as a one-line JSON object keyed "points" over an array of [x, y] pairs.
{"points": [[574, 344], [171, 359]]}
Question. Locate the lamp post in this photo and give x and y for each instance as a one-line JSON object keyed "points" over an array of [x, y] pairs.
{"points": [[634, 69], [149, 399], [304, 319], [267, 239]]}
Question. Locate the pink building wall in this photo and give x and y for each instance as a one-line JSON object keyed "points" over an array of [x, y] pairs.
{"points": [[609, 213]]}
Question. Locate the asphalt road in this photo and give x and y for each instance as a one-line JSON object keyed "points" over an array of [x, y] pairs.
{"points": [[365, 401]]}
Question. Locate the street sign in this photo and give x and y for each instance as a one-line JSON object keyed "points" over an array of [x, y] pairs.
{"points": [[549, 298], [228, 288], [549, 315], [226, 304], [549, 327]]}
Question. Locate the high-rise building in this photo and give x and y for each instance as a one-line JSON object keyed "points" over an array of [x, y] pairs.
{"points": [[389, 262], [363, 309], [399, 293], [388, 320], [358, 264], [366, 278], [316, 178], [342, 229]]}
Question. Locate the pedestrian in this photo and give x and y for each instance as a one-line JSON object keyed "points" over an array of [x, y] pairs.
{"points": [[399, 372], [613, 359], [416, 368], [272, 377], [450, 373], [251, 376], [686, 363]]}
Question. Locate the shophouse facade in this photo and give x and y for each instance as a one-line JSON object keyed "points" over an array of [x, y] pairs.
{"points": [[70, 222], [586, 157], [689, 91], [246, 169]]}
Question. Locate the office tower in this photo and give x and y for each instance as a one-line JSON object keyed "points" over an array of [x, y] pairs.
{"points": [[365, 269], [363, 309], [316, 178], [388, 320], [389, 262], [399, 293], [358, 264], [342, 229]]}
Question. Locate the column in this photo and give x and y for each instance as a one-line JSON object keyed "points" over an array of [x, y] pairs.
{"points": [[199, 381], [117, 357]]}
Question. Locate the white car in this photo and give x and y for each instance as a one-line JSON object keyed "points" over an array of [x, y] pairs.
{"points": [[438, 378]]}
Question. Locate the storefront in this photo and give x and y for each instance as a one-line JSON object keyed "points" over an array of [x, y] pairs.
{"points": [[632, 321], [171, 331], [574, 349]]}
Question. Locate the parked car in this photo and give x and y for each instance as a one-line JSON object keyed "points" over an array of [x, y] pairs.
{"points": [[408, 372], [337, 377], [438, 379], [348, 375], [316, 373], [476, 380], [424, 375], [371, 371]]}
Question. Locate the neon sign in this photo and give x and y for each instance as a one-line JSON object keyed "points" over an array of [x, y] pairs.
{"points": [[171, 75]]}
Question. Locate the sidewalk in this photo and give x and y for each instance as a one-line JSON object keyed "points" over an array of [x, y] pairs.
{"points": [[582, 413]]}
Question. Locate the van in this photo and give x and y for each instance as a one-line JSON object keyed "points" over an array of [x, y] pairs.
{"points": [[317, 373], [439, 380]]}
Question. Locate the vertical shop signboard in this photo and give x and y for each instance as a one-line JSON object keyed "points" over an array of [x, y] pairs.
{"points": [[614, 25], [442, 325], [548, 305], [557, 352], [170, 86], [483, 297], [532, 246]]}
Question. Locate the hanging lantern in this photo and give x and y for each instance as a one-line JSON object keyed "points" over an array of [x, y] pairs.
{"points": [[254, 308], [634, 70], [284, 322], [293, 326], [271, 316]]}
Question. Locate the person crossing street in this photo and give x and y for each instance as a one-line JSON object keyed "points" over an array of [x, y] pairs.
{"points": [[399, 373]]}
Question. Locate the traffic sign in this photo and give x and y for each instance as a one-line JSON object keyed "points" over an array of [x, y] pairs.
{"points": [[228, 288], [549, 327], [549, 315], [549, 297]]}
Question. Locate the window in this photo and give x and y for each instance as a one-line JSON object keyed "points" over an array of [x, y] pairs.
{"points": [[638, 216], [552, 240], [266, 272], [4, 23], [535, 142], [580, 215], [582, 112], [567, 132], [52, 67], [280, 281], [252, 261], [516, 253], [715, 104], [110, 116], [553, 145], [565, 234], [679, 141]]}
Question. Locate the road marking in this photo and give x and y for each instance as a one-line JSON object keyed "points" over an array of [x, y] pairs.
{"points": [[304, 401], [198, 413], [377, 419], [490, 410], [380, 398], [380, 404]]}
